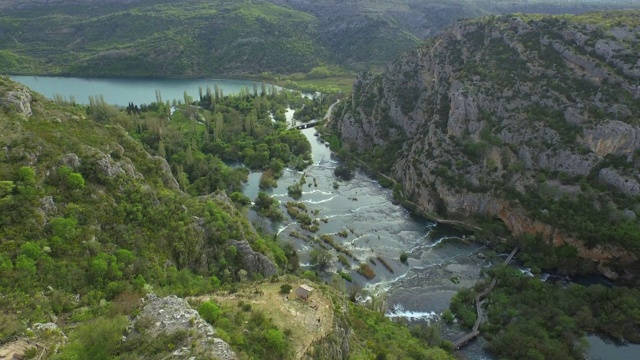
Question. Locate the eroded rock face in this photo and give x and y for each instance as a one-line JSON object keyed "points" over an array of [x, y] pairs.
{"points": [[172, 314], [18, 100], [252, 261], [167, 176], [502, 106]]}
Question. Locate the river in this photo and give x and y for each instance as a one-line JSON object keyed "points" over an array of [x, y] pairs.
{"points": [[440, 262]]}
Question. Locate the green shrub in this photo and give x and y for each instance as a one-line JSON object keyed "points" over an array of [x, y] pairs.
{"points": [[209, 311], [285, 289]]}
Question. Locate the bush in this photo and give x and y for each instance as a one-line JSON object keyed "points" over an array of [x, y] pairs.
{"points": [[404, 257], [285, 289], [366, 271], [448, 316], [209, 311], [75, 180]]}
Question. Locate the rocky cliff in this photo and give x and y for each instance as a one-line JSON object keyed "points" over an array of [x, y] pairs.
{"points": [[532, 120], [172, 315]]}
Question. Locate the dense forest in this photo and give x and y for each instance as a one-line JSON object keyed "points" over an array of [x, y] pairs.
{"points": [[197, 38]]}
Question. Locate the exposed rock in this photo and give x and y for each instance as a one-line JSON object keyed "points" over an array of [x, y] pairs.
{"points": [[167, 177], [613, 137], [477, 116], [108, 168], [71, 160], [18, 100], [111, 168], [252, 261], [172, 314], [625, 184], [48, 205], [334, 346], [45, 326], [607, 272]]}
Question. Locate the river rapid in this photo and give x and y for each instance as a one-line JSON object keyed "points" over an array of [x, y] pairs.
{"points": [[440, 262]]}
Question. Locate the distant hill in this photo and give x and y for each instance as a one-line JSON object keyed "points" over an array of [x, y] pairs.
{"points": [[141, 38]]}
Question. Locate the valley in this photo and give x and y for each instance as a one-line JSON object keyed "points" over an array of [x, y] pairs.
{"points": [[169, 200]]}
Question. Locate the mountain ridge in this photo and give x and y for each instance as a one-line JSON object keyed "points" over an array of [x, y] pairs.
{"points": [[528, 119], [214, 38]]}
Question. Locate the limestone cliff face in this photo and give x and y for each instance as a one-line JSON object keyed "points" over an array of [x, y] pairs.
{"points": [[513, 117], [171, 315]]}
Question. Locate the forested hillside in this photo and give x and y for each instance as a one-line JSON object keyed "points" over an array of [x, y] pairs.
{"points": [[525, 129], [527, 119], [144, 38], [107, 211]]}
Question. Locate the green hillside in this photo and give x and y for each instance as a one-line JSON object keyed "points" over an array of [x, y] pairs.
{"points": [[93, 220], [186, 39], [199, 38]]}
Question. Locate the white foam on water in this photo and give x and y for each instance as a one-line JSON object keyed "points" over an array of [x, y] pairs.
{"points": [[338, 215], [281, 229], [317, 192], [319, 201], [526, 271], [371, 206], [385, 285], [398, 311]]}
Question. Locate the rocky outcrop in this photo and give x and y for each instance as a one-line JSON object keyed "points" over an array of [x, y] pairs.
{"points": [[252, 261], [167, 176], [18, 100], [495, 115], [170, 315], [334, 346], [108, 167], [71, 160]]}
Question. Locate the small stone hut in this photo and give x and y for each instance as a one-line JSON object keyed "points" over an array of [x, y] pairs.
{"points": [[304, 291]]}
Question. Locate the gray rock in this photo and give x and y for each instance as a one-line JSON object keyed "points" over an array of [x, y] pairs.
{"points": [[18, 101], [625, 184], [613, 137], [48, 205], [171, 314], [437, 107], [167, 176], [110, 168], [45, 326], [71, 160], [253, 261]]}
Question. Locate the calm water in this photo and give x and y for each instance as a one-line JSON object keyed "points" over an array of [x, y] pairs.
{"points": [[122, 91], [606, 350]]}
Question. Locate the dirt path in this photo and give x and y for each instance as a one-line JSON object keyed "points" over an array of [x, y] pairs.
{"points": [[308, 320], [17, 347]]}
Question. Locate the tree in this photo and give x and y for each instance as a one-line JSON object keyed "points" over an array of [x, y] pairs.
{"points": [[275, 343], [320, 258], [6, 187], [26, 265], [31, 250]]}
